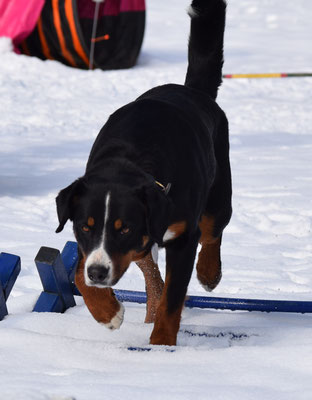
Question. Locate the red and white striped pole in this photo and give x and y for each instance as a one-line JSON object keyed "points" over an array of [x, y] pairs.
{"points": [[269, 75]]}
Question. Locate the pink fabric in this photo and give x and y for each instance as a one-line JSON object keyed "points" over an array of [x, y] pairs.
{"points": [[109, 7], [132, 5], [18, 18]]}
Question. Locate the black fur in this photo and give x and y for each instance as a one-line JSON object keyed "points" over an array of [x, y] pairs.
{"points": [[171, 134], [206, 55]]}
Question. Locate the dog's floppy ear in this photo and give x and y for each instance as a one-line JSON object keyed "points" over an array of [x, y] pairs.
{"points": [[64, 202], [159, 207]]}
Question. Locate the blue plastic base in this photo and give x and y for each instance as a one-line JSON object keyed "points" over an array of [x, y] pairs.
{"points": [[3, 307], [57, 295], [10, 267], [70, 259], [49, 302]]}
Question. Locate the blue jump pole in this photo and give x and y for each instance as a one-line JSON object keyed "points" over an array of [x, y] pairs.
{"points": [[224, 303]]}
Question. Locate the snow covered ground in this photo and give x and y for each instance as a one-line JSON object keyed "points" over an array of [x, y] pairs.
{"points": [[49, 117]]}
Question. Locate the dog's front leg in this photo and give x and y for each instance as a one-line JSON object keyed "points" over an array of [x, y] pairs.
{"points": [[102, 303], [180, 256], [153, 284]]}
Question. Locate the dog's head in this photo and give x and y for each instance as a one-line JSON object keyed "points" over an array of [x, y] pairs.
{"points": [[113, 225]]}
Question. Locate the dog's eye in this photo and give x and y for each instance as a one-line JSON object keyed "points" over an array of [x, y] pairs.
{"points": [[85, 228], [124, 231]]}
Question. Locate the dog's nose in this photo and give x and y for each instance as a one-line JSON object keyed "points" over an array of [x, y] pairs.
{"points": [[97, 273]]}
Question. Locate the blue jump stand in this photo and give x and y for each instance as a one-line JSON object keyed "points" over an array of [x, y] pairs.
{"points": [[70, 259], [10, 267], [55, 271]]}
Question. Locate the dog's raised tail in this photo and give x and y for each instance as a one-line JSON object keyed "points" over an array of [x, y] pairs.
{"points": [[205, 53]]}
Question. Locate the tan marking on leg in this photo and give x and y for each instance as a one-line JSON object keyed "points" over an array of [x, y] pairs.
{"points": [[153, 284], [174, 231], [177, 228], [101, 303], [209, 262], [166, 325], [145, 240]]}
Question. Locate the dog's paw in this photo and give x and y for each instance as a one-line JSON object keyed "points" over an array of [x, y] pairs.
{"points": [[117, 320], [210, 285]]}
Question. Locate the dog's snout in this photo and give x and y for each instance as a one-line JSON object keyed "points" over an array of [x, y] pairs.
{"points": [[97, 273]]}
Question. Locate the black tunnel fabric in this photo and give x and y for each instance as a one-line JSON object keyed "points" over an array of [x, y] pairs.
{"points": [[64, 33]]}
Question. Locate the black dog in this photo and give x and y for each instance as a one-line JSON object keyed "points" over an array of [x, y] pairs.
{"points": [[158, 173]]}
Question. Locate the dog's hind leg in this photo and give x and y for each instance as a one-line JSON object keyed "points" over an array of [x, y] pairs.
{"points": [[209, 261], [217, 214], [153, 284]]}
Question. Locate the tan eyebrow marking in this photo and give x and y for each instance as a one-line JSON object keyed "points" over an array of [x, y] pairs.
{"points": [[118, 224], [91, 221]]}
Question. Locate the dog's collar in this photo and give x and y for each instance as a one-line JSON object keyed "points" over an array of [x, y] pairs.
{"points": [[165, 189]]}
